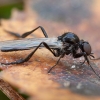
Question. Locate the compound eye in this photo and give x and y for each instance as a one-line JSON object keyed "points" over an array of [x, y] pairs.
{"points": [[87, 48]]}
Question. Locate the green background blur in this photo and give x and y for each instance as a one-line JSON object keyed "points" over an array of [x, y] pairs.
{"points": [[6, 7]]}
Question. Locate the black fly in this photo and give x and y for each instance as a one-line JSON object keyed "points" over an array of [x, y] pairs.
{"points": [[66, 44]]}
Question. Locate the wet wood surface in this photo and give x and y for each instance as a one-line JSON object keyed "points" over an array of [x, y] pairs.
{"points": [[68, 80]]}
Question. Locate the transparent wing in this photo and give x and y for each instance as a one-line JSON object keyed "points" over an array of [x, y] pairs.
{"points": [[25, 44]]}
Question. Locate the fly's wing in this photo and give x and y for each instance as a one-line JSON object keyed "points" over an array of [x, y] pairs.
{"points": [[25, 44]]}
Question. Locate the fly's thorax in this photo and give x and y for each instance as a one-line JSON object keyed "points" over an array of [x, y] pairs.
{"points": [[69, 37]]}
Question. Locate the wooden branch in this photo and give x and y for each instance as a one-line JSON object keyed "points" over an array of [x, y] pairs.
{"points": [[9, 91]]}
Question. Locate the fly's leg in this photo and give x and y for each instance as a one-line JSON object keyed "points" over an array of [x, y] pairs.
{"points": [[91, 66], [93, 58], [13, 33], [77, 55], [62, 55], [86, 58], [30, 55], [28, 33]]}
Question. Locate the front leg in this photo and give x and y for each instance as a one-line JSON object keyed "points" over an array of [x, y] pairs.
{"points": [[77, 55]]}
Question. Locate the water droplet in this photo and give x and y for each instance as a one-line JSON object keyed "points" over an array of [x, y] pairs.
{"points": [[79, 86], [73, 66], [45, 68], [67, 83]]}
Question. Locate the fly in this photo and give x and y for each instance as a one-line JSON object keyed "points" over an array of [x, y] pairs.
{"points": [[67, 43]]}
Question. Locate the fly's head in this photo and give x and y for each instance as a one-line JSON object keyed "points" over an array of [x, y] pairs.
{"points": [[86, 48]]}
